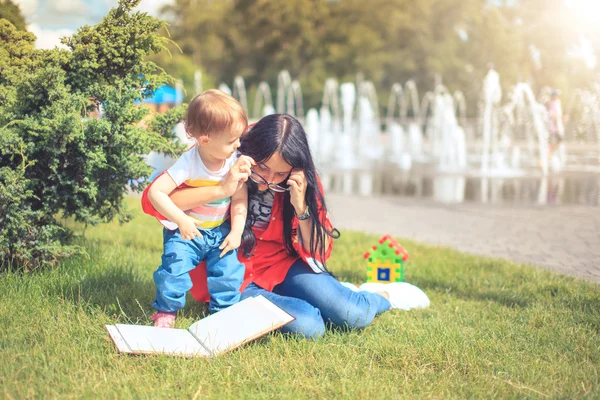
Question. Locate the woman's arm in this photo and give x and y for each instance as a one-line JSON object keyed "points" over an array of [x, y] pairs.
{"points": [[306, 228], [297, 182], [189, 198]]}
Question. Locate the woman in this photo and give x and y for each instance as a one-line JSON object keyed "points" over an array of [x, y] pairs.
{"points": [[291, 236]]}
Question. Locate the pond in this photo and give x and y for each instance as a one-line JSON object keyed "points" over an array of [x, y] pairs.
{"points": [[566, 188]]}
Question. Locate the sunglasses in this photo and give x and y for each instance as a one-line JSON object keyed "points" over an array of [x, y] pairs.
{"points": [[256, 178]]}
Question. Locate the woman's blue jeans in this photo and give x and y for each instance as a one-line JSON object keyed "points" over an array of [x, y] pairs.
{"points": [[317, 300]]}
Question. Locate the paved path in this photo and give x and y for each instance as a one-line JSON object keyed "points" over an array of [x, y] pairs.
{"points": [[565, 239]]}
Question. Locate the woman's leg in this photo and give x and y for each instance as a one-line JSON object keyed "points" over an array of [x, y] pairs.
{"points": [[308, 323], [338, 304]]}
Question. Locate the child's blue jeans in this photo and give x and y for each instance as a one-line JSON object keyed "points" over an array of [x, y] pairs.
{"points": [[319, 299], [172, 279]]}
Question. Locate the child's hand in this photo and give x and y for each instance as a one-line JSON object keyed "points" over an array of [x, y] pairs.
{"points": [[188, 229], [231, 242], [238, 174]]}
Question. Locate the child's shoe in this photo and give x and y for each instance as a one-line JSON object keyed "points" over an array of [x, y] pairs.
{"points": [[402, 295], [164, 319]]}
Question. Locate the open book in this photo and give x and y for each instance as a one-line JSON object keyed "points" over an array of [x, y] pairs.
{"points": [[216, 334]]}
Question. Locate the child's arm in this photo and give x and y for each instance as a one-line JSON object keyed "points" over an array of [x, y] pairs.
{"points": [[158, 194], [239, 210]]}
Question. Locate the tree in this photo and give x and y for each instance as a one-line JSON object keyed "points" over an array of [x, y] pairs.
{"points": [[555, 28], [12, 12], [55, 158], [387, 41], [180, 66]]}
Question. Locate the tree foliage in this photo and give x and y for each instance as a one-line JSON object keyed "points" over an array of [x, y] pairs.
{"points": [[54, 157], [11, 11], [386, 40]]}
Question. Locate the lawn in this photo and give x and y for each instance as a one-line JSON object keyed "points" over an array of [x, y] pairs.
{"points": [[494, 329]]}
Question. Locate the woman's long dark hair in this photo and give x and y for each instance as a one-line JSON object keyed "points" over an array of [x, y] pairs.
{"points": [[283, 133]]}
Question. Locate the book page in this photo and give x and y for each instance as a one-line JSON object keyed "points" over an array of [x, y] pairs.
{"points": [[150, 340], [238, 324], [118, 339]]}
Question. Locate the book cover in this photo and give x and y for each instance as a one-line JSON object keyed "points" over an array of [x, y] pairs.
{"points": [[216, 334]]}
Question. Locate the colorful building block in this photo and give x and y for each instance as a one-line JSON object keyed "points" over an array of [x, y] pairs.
{"points": [[385, 261]]}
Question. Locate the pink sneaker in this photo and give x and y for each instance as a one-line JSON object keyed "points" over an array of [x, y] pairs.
{"points": [[164, 319]]}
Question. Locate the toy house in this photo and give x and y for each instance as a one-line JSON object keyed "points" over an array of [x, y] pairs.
{"points": [[385, 262]]}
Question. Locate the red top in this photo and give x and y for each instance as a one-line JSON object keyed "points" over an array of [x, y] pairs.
{"points": [[270, 262]]}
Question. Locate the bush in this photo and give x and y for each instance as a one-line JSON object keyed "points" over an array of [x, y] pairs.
{"points": [[54, 157]]}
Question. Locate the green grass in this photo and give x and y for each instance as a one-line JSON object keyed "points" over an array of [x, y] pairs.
{"points": [[494, 329]]}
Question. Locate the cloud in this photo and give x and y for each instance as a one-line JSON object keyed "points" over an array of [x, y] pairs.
{"points": [[153, 7], [28, 7], [49, 20], [61, 14], [48, 38], [71, 7]]}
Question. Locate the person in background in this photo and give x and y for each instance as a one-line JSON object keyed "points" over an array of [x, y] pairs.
{"points": [[556, 127]]}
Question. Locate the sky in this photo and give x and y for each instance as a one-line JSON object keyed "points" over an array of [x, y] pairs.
{"points": [[50, 20]]}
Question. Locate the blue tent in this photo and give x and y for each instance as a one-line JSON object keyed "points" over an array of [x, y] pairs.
{"points": [[165, 94]]}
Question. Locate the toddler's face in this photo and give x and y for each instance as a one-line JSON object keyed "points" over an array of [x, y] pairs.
{"points": [[224, 145]]}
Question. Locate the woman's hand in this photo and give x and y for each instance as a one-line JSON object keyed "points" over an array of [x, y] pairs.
{"points": [[297, 183], [238, 174]]}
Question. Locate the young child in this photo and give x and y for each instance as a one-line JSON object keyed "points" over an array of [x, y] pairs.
{"points": [[216, 120]]}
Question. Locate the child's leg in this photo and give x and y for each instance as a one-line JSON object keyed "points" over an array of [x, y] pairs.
{"points": [[308, 323], [338, 304], [224, 274], [172, 278]]}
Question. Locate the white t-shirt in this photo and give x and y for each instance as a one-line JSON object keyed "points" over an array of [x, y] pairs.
{"points": [[190, 171]]}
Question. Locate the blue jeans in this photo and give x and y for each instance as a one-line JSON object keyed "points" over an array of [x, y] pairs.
{"points": [[172, 279], [319, 299]]}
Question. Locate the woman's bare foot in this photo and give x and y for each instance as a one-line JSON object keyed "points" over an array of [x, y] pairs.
{"points": [[384, 294], [401, 295]]}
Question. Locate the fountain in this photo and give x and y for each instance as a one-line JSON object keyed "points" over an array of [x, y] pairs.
{"points": [[421, 143], [239, 91], [223, 87], [283, 81], [198, 83], [491, 97], [446, 136], [521, 116], [330, 128], [524, 105], [415, 133], [585, 129], [370, 147], [295, 104], [404, 147], [399, 153], [263, 103]]}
